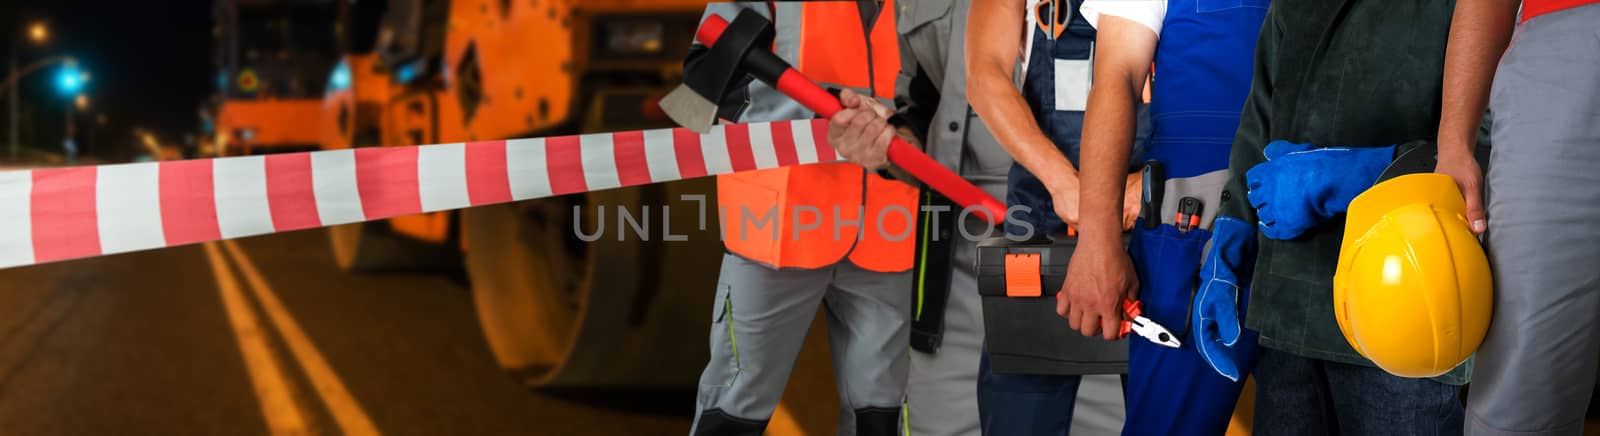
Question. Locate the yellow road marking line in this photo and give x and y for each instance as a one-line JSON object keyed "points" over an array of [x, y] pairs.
{"points": [[272, 389], [352, 420], [784, 424]]}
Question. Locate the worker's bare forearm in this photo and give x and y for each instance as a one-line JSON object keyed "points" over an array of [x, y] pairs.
{"points": [[1479, 33], [991, 55], [1003, 109], [1121, 64], [1107, 137]]}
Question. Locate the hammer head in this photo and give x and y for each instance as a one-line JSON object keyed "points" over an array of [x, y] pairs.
{"points": [[714, 71]]}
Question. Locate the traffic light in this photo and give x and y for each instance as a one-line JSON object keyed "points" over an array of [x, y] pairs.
{"points": [[70, 79]]}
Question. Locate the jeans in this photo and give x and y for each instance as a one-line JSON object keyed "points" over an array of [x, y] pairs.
{"points": [[1302, 396], [1027, 404]]}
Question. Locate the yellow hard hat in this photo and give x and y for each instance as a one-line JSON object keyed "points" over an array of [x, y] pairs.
{"points": [[1413, 291]]}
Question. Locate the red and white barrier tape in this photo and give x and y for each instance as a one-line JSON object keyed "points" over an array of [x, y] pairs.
{"points": [[55, 214]]}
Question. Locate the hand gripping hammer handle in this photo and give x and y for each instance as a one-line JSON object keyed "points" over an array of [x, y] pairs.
{"points": [[768, 68]]}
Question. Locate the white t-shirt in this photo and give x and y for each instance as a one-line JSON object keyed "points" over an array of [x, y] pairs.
{"points": [[1150, 13]]}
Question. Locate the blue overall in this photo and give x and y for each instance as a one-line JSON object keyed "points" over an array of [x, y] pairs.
{"points": [[1202, 77], [1037, 404]]}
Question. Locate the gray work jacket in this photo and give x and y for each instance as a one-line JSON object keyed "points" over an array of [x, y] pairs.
{"points": [[932, 53]]}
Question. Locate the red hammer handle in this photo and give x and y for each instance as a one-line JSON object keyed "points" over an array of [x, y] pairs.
{"points": [[795, 85]]}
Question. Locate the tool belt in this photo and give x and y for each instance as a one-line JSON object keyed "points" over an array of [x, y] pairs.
{"points": [[1171, 240], [1017, 282]]}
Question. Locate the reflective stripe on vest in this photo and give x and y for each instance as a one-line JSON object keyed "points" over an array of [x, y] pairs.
{"points": [[813, 216]]}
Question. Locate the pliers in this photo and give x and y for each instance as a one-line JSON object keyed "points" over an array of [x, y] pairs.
{"points": [[1137, 323]]}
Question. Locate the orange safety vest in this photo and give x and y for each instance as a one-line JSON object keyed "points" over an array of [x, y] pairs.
{"points": [[812, 216]]}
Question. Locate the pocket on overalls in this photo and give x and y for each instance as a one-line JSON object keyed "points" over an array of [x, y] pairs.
{"points": [[1072, 78], [1073, 50], [724, 364], [1168, 263], [1059, 58], [1168, 259]]}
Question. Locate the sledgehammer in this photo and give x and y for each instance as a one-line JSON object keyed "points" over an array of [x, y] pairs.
{"points": [[736, 50]]}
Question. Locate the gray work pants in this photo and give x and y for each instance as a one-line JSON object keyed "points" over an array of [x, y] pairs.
{"points": [[1536, 368], [942, 398], [760, 320]]}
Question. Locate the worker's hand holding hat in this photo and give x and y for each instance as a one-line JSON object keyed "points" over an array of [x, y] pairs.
{"points": [[1302, 185]]}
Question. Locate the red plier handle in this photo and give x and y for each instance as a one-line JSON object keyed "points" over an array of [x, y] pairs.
{"points": [[1131, 309], [1135, 322]]}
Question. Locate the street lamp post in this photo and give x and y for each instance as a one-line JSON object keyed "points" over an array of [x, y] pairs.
{"points": [[69, 145], [70, 80], [11, 113], [38, 33], [95, 126], [80, 103]]}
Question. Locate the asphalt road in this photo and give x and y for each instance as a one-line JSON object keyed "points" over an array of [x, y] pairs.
{"points": [[264, 336], [144, 343]]}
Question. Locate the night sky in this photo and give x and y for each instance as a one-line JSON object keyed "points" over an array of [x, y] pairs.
{"points": [[150, 65]]}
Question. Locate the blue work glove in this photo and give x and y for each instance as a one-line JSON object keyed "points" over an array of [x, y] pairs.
{"points": [[1227, 268], [1302, 185]]}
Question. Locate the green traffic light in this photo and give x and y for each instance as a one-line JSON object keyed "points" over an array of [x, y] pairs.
{"points": [[70, 80]]}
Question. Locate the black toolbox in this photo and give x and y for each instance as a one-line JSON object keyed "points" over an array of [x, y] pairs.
{"points": [[1022, 332]]}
